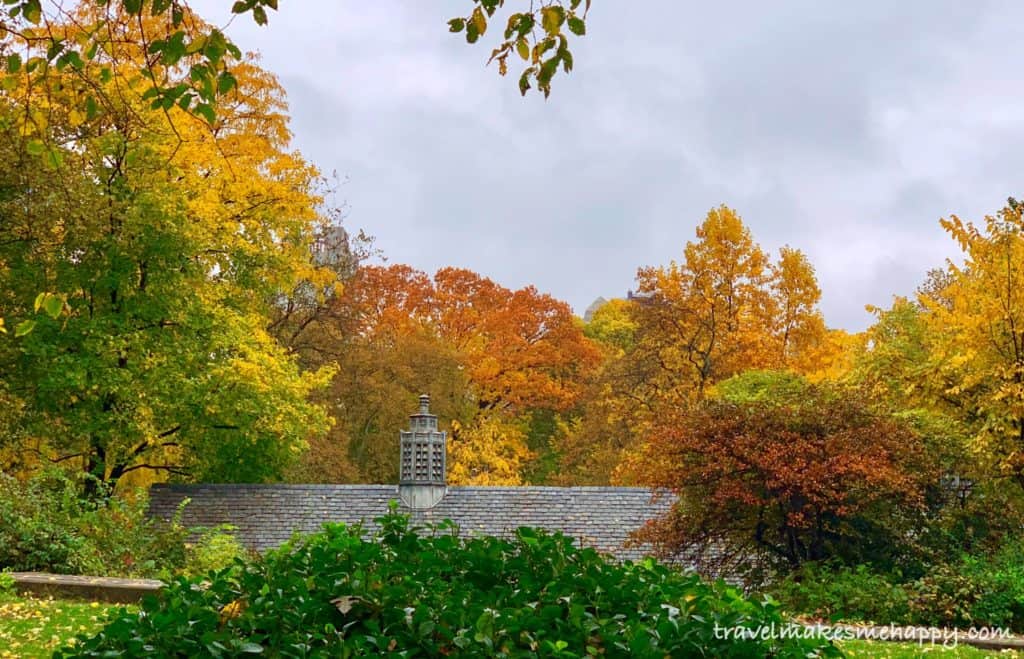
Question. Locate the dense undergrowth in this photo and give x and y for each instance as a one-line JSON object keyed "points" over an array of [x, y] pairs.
{"points": [[428, 593], [47, 525], [974, 591]]}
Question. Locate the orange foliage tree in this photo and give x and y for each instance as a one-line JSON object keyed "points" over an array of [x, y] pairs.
{"points": [[723, 309], [776, 469], [491, 358]]}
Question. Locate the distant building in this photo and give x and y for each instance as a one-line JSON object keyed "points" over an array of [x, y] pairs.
{"points": [[588, 315], [331, 248]]}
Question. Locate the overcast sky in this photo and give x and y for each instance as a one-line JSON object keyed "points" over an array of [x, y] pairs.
{"points": [[844, 129]]}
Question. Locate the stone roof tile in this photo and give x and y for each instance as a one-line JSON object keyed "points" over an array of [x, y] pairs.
{"points": [[267, 515]]}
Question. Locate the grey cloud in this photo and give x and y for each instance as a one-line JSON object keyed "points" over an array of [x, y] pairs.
{"points": [[844, 129]]}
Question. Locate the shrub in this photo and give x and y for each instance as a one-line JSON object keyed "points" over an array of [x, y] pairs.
{"points": [[791, 471], [413, 594], [6, 583], [47, 525], [34, 530], [215, 550], [843, 593], [979, 591]]}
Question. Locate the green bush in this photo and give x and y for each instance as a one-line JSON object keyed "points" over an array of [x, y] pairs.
{"points": [[6, 583], [216, 549], [47, 525], [979, 591], [843, 593], [408, 593]]}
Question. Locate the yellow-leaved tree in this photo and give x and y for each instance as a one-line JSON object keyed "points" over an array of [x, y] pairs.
{"points": [[725, 308], [976, 325], [163, 243], [490, 451]]}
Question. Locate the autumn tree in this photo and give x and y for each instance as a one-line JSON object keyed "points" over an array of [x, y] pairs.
{"points": [[934, 362], [975, 321], [613, 327], [592, 442], [538, 34], [776, 470], [386, 354], [723, 309], [162, 245], [523, 348], [498, 363], [703, 319], [798, 325], [491, 451]]}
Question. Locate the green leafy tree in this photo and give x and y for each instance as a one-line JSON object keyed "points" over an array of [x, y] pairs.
{"points": [[163, 246]]}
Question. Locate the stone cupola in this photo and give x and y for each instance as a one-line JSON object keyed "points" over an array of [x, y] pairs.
{"points": [[422, 465]]}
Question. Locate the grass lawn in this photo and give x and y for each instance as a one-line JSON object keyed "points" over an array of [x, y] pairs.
{"points": [[31, 627], [910, 650]]}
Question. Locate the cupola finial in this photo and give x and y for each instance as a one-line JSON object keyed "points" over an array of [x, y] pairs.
{"points": [[422, 466]]}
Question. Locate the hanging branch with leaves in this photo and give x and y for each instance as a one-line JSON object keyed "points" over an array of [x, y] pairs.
{"points": [[543, 49]]}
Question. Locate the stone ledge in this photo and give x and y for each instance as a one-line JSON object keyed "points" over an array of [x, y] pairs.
{"points": [[105, 589]]}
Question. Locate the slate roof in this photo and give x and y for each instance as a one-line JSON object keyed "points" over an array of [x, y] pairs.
{"points": [[266, 515]]}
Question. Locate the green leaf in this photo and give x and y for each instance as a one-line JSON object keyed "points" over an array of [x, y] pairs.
{"points": [[91, 108], [39, 302], [577, 26], [54, 158], [526, 23], [551, 19], [477, 25], [510, 29], [226, 82], [457, 25], [35, 148], [24, 327], [13, 63], [56, 47], [205, 110], [73, 58], [32, 11], [251, 648], [524, 80], [53, 305], [523, 48]]}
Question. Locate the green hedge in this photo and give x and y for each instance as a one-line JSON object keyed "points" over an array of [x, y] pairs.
{"points": [[409, 593], [974, 591]]}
